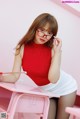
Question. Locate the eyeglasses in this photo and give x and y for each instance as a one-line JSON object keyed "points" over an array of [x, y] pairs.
{"points": [[42, 33]]}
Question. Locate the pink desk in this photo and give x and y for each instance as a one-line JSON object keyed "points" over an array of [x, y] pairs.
{"points": [[21, 88]]}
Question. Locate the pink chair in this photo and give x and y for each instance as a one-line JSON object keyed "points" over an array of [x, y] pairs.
{"points": [[26, 103], [73, 111], [24, 99], [29, 103], [6, 106]]}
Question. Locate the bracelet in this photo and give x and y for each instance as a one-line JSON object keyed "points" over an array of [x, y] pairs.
{"points": [[1, 73]]}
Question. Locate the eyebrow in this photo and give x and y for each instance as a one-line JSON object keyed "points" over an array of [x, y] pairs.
{"points": [[48, 30]]}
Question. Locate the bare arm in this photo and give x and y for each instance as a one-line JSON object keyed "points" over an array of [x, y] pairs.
{"points": [[13, 77], [54, 71]]}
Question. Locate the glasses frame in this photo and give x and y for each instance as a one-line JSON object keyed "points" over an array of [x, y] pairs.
{"points": [[43, 32]]}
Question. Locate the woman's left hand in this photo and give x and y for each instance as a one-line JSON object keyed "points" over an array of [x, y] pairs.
{"points": [[57, 44]]}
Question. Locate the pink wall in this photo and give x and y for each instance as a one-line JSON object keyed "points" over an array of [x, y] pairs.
{"points": [[15, 19]]}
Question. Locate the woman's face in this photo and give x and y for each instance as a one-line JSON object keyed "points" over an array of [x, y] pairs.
{"points": [[42, 35]]}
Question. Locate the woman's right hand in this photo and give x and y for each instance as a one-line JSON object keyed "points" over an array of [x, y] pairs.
{"points": [[12, 77]]}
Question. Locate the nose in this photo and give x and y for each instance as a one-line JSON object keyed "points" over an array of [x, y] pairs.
{"points": [[44, 35]]}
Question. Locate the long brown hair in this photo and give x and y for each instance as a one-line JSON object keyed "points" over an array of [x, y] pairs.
{"points": [[39, 22]]}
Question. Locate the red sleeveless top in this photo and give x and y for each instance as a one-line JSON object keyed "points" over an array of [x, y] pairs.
{"points": [[36, 62]]}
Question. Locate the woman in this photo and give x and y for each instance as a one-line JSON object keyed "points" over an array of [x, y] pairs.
{"points": [[39, 54]]}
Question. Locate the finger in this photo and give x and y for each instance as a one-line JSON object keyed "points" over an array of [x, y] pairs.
{"points": [[59, 42]]}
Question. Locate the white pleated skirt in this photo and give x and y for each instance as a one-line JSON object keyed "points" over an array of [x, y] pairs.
{"points": [[65, 85]]}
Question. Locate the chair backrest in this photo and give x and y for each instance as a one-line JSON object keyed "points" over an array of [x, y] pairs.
{"points": [[27, 103]]}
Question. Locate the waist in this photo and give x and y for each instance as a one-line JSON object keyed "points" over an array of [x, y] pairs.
{"points": [[40, 81]]}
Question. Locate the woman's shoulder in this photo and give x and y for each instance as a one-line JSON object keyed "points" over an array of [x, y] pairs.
{"points": [[22, 50], [19, 50]]}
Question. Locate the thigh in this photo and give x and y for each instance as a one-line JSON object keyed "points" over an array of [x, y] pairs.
{"points": [[52, 108], [63, 102]]}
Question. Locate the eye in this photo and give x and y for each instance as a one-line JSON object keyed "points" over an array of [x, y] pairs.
{"points": [[50, 33], [41, 29]]}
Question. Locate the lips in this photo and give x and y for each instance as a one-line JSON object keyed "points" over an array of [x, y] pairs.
{"points": [[42, 40]]}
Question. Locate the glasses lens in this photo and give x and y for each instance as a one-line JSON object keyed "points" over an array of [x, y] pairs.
{"points": [[40, 33], [44, 32]]}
